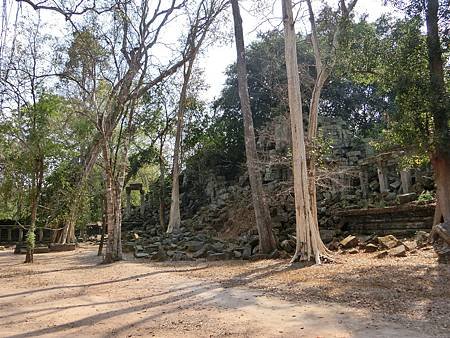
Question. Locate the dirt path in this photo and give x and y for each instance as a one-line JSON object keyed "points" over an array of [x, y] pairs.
{"points": [[71, 295]]}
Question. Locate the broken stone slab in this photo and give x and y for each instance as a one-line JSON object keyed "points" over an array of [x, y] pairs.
{"points": [[200, 253], [399, 251], [159, 256], [141, 255], [406, 198], [349, 242], [353, 251], [370, 247], [193, 246], [388, 242], [55, 247], [220, 256], [382, 254]]}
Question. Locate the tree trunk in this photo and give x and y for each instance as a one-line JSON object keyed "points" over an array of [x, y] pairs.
{"points": [[440, 159], [309, 243], [110, 255], [38, 178], [175, 217], [267, 243], [162, 221], [68, 235], [104, 226]]}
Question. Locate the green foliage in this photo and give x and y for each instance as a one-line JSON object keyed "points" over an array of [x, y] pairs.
{"points": [[425, 197]]}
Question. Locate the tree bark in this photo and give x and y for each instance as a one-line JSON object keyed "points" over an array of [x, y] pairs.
{"points": [[308, 243], [38, 178], [175, 216], [162, 194], [439, 106], [68, 235], [267, 243]]}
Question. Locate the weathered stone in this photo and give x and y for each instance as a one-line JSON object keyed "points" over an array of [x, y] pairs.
{"points": [[406, 198], [349, 242], [55, 247], [2, 248], [370, 247], [193, 246], [327, 235], [200, 253], [159, 256], [217, 256], [353, 251], [399, 251], [247, 252], [382, 254], [422, 238], [141, 255], [288, 245], [388, 242], [237, 254]]}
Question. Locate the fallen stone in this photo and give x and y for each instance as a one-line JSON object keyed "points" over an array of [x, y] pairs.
{"points": [[382, 254], [353, 251], [349, 242], [55, 247], [406, 198], [247, 252], [334, 244], [159, 256], [370, 247], [200, 253], [422, 238], [136, 236], [388, 242], [399, 251], [217, 257], [2, 248], [141, 255], [288, 245], [193, 246], [237, 254]]}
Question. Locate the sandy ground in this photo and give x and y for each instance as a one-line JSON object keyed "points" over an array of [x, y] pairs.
{"points": [[71, 295]]}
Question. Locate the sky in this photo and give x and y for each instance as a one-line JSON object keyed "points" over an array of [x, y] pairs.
{"points": [[218, 58]]}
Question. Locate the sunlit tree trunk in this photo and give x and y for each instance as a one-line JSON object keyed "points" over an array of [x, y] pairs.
{"points": [[162, 193], [175, 216], [68, 233], [38, 177], [308, 243], [267, 243], [439, 106]]}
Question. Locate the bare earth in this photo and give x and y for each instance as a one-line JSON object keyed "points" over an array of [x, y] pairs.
{"points": [[72, 295]]}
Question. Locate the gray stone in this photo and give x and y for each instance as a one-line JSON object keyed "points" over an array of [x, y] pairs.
{"points": [[200, 253], [247, 252], [237, 254], [406, 198], [399, 251], [141, 255], [422, 238], [193, 246], [217, 256]]}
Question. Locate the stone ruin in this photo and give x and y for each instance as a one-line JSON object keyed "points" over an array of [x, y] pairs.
{"points": [[363, 193]]}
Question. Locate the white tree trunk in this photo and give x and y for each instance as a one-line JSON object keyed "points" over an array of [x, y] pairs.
{"points": [[309, 243]]}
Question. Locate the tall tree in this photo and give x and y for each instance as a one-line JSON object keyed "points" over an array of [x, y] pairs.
{"points": [[267, 243], [440, 109], [204, 17], [323, 71], [309, 243]]}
